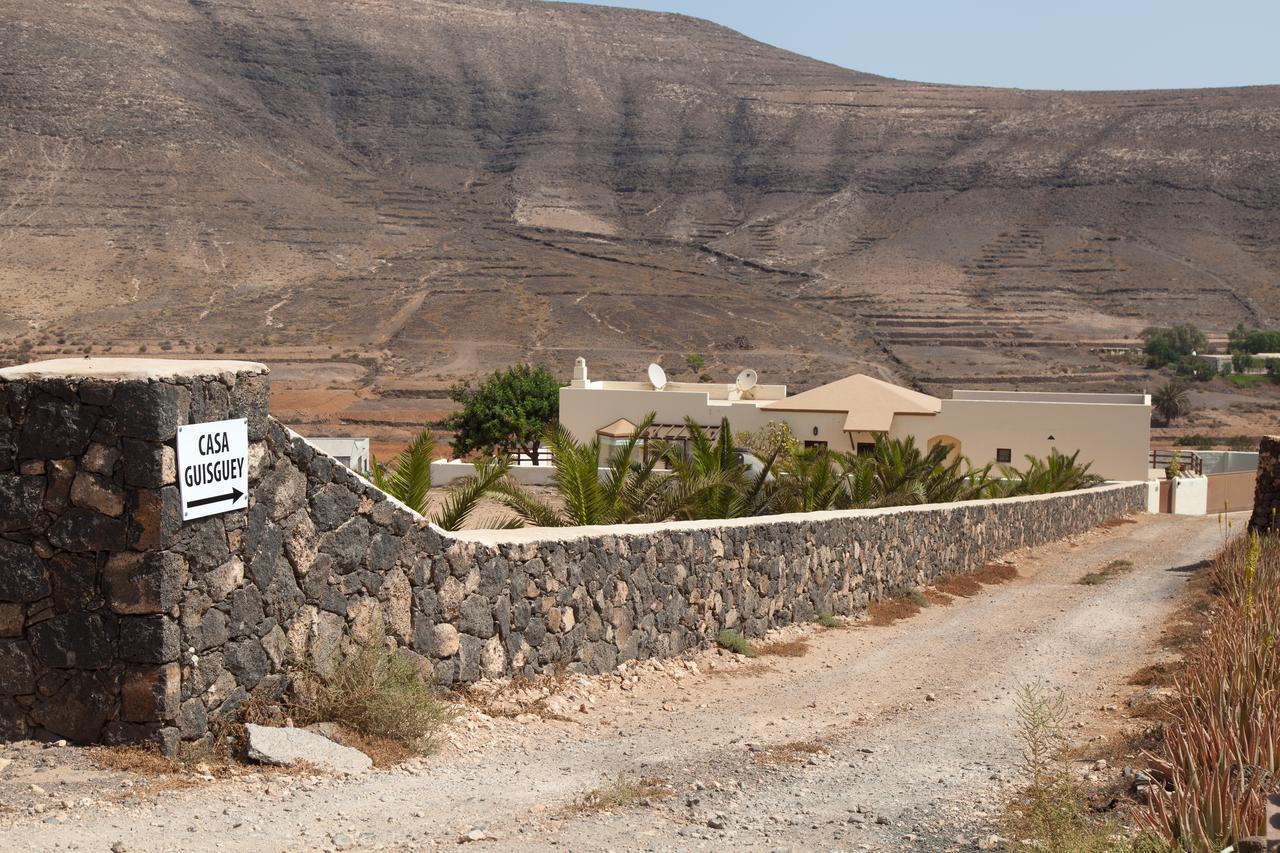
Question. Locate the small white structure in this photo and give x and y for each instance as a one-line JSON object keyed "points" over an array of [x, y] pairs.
{"points": [[352, 452], [1111, 431]]}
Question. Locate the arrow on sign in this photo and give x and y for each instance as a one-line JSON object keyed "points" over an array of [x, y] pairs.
{"points": [[233, 496]]}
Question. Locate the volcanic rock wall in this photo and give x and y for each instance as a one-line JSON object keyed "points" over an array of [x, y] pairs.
{"points": [[119, 621]]}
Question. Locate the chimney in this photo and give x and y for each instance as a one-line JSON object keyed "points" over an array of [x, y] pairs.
{"points": [[580, 372]]}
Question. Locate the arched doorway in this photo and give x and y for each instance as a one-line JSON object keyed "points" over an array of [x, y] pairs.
{"points": [[947, 439]]}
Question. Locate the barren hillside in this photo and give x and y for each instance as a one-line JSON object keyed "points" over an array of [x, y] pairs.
{"points": [[382, 196]]}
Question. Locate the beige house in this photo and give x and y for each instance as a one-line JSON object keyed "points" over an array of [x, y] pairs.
{"points": [[1112, 431]]}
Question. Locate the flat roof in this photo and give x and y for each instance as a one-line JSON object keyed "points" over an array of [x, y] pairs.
{"points": [[1095, 398], [120, 369]]}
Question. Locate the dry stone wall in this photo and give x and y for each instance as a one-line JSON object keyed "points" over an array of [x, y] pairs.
{"points": [[1266, 494], [119, 621]]}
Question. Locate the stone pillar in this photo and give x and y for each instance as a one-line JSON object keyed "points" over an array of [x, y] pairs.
{"points": [[94, 557], [1266, 491]]}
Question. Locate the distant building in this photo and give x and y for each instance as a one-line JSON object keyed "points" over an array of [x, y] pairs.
{"points": [[1111, 431], [352, 452]]}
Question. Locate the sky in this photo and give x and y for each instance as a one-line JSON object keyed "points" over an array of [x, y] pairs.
{"points": [[1032, 44]]}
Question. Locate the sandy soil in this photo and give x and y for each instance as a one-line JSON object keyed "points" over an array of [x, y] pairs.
{"points": [[915, 722]]}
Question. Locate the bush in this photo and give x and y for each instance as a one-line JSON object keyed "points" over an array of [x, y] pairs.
{"points": [[736, 643], [1203, 442], [1172, 344], [1049, 814], [1199, 369], [375, 692], [828, 620]]}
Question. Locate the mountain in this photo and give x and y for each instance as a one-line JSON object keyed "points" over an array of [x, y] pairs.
{"points": [[383, 196]]}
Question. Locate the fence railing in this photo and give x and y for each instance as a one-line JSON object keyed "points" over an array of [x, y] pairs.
{"points": [[1187, 460]]}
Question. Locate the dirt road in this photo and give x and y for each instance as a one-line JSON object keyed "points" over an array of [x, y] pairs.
{"points": [[915, 723]]}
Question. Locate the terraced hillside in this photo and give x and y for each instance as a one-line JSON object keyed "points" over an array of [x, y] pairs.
{"points": [[381, 196]]}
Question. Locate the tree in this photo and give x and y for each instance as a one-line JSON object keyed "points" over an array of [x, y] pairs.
{"points": [[625, 492], [508, 412], [407, 478], [1242, 361], [1197, 368], [695, 361], [1170, 345], [1057, 473], [1171, 401]]}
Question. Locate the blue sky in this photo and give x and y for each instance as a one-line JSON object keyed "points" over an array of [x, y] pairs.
{"points": [[1033, 44]]}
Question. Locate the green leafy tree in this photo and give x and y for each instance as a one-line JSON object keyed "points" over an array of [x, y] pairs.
{"points": [[1254, 340], [1170, 345], [508, 412], [1242, 361], [695, 361], [1171, 401], [1199, 369]]}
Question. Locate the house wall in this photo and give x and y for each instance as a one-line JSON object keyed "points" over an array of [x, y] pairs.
{"points": [[120, 621], [1114, 438], [1231, 492]]}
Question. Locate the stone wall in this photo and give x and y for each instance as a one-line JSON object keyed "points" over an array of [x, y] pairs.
{"points": [[1266, 491], [120, 621], [92, 574]]}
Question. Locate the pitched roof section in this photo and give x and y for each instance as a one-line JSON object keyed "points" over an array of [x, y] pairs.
{"points": [[621, 428], [869, 404]]}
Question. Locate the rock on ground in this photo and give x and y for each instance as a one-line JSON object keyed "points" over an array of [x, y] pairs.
{"points": [[289, 746]]}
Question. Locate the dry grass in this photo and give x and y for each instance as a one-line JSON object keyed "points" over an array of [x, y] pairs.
{"points": [[882, 613], [622, 793], [517, 695], [794, 752], [933, 596], [788, 649], [376, 693], [1111, 570], [1155, 675]]}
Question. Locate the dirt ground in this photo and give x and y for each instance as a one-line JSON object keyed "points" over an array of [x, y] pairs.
{"points": [[868, 737]]}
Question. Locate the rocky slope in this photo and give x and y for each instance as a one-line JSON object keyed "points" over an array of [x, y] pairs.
{"points": [[430, 187]]}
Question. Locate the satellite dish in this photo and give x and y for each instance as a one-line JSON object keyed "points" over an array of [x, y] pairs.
{"points": [[746, 380], [657, 377]]}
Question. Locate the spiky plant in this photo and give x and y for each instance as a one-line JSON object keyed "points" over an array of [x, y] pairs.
{"points": [[1055, 473], [407, 478]]}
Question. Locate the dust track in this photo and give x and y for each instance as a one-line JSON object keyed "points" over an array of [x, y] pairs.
{"points": [[916, 721]]}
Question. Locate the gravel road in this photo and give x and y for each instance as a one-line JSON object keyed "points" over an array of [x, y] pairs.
{"points": [[914, 723]]}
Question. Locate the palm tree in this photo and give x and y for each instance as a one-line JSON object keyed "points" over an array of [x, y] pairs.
{"points": [[1171, 400], [712, 481], [1057, 473], [407, 478], [628, 492]]}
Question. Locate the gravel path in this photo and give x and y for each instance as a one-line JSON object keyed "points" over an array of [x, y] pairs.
{"points": [[915, 722]]}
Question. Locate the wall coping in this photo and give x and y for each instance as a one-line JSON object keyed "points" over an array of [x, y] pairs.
{"points": [[535, 535], [130, 369]]}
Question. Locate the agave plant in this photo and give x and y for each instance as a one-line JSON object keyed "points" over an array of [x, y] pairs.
{"points": [[1222, 745], [407, 478]]}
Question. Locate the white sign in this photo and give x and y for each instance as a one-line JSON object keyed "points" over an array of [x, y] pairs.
{"points": [[213, 467]]}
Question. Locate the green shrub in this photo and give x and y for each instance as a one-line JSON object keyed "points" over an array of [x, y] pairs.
{"points": [[736, 643], [828, 620], [375, 692]]}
